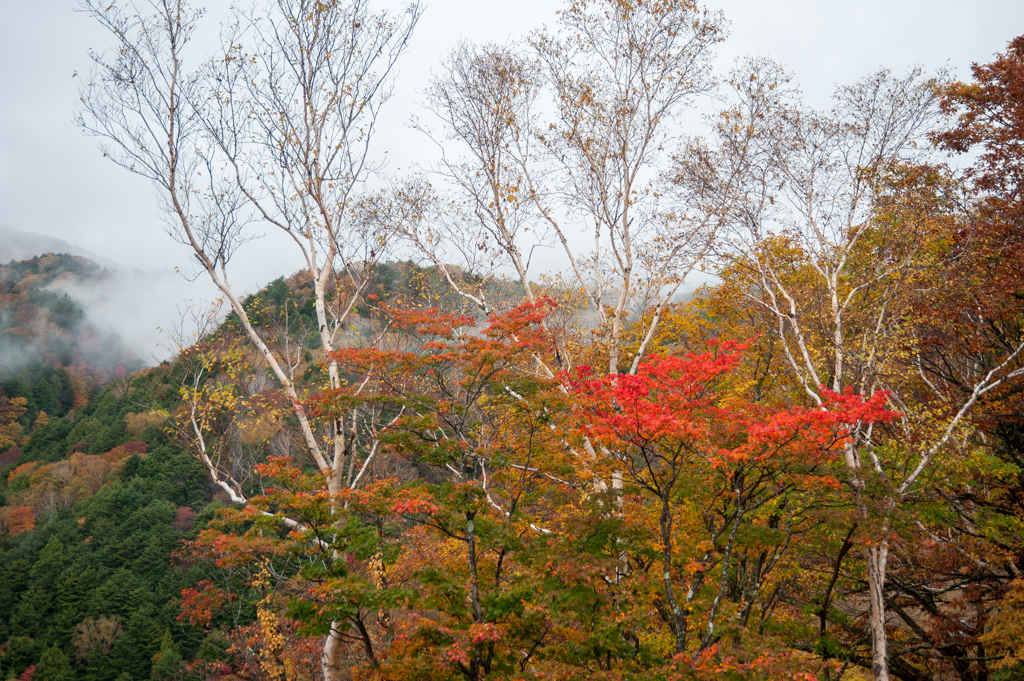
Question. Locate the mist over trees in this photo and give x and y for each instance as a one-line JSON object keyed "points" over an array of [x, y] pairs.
{"points": [[422, 457]]}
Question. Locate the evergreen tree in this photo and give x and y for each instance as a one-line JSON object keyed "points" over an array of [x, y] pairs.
{"points": [[20, 654], [48, 568], [45, 398], [72, 592], [54, 666], [65, 314], [168, 663]]}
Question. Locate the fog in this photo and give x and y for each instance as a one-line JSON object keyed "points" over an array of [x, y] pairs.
{"points": [[139, 306]]}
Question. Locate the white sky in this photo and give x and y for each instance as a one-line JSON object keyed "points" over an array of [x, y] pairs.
{"points": [[54, 181]]}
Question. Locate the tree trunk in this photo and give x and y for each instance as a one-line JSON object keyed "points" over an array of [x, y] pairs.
{"points": [[679, 613], [875, 558], [476, 670], [330, 661]]}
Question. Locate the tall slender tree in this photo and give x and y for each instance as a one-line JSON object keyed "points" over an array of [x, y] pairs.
{"points": [[276, 131], [835, 258]]}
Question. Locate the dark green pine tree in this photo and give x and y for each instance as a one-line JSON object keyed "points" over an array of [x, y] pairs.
{"points": [[134, 649], [45, 397], [18, 654], [73, 593], [35, 610], [50, 565], [65, 314], [114, 595], [54, 665], [169, 664], [13, 582]]}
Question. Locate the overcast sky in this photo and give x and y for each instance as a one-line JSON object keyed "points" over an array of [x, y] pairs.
{"points": [[53, 180]]}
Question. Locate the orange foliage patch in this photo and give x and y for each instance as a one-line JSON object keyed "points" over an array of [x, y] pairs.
{"points": [[17, 520], [25, 468]]}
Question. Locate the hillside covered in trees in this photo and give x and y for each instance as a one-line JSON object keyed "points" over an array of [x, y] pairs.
{"points": [[90, 502], [420, 457], [98, 493], [52, 359]]}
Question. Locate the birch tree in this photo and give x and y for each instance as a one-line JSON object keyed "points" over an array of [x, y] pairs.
{"points": [[567, 135], [564, 137], [275, 133], [811, 243]]}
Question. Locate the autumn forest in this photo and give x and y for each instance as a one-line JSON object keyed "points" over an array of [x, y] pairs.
{"points": [[757, 414]]}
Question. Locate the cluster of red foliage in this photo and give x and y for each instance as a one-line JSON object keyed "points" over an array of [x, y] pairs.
{"points": [[464, 575]]}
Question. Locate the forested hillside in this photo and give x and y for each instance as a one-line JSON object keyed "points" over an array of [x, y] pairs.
{"points": [[51, 356], [422, 457], [98, 493], [92, 504]]}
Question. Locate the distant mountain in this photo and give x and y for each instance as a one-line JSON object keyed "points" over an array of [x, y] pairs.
{"points": [[51, 353], [130, 302], [16, 244]]}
